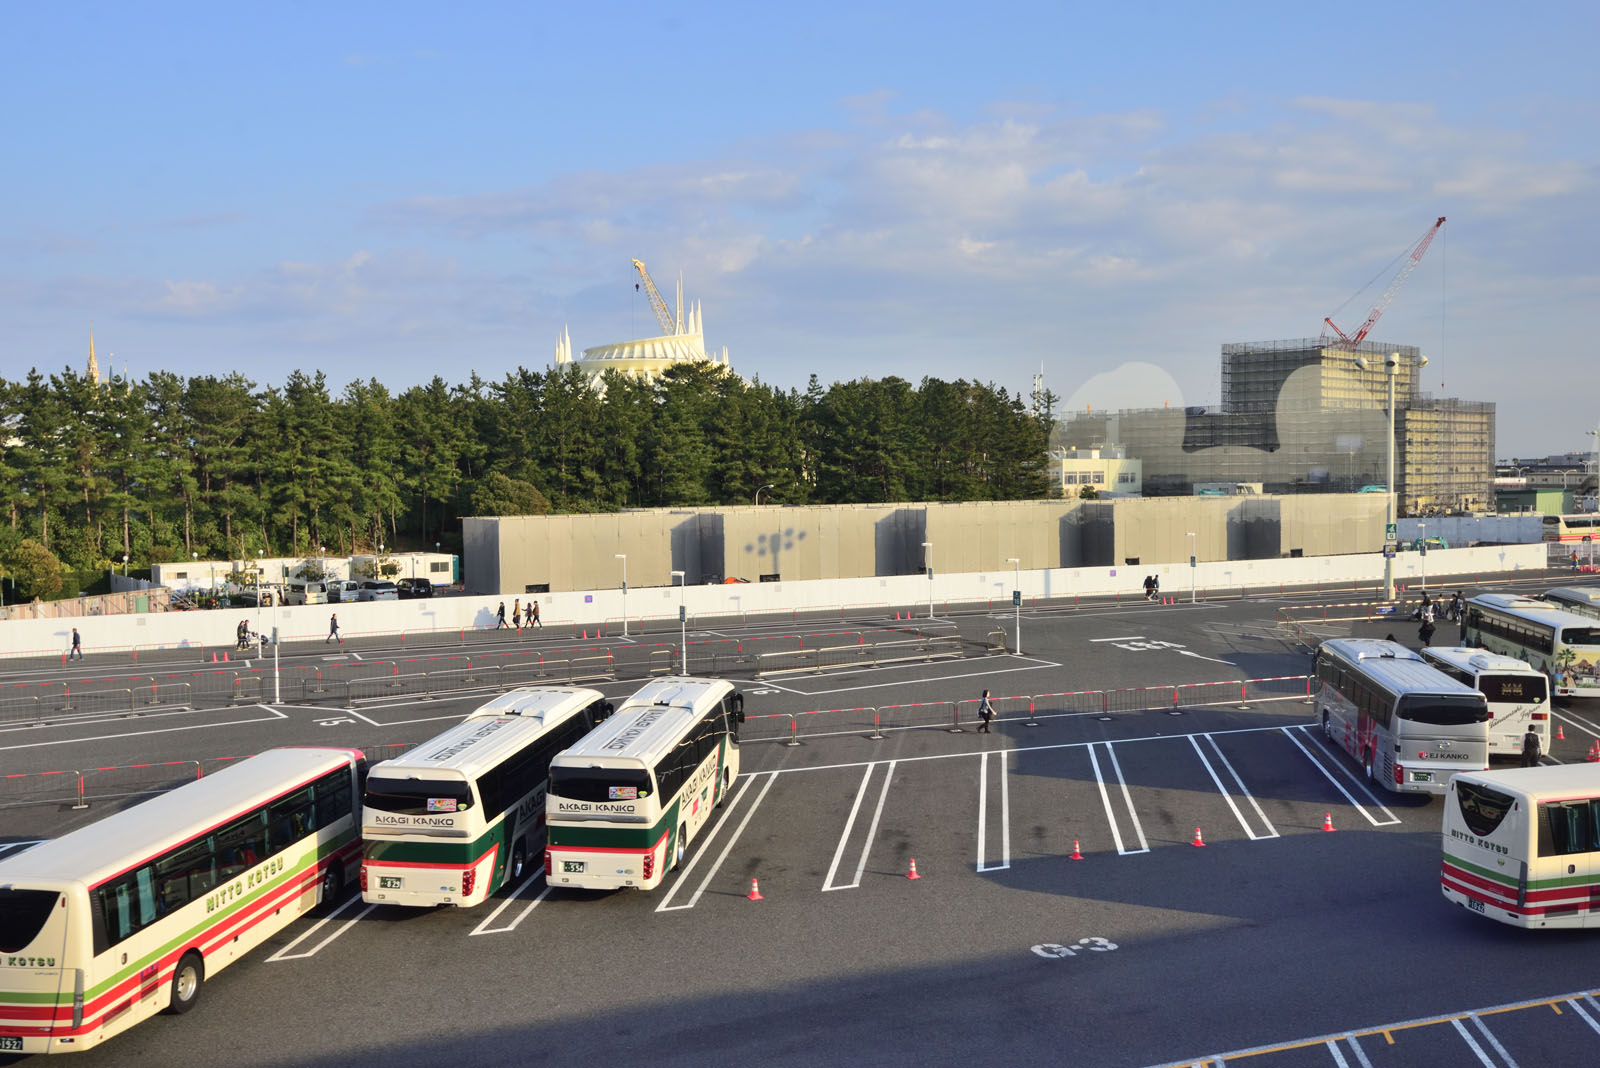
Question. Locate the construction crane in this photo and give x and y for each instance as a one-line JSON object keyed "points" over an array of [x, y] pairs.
{"points": [[659, 306], [1412, 258]]}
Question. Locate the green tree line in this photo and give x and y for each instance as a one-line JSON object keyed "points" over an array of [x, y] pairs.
{"points": [[164, 467]]}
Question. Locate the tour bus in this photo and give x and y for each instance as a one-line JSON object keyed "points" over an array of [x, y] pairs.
{"points": [[626, 801], [1562, 644], [115, 922], [1381, 702], [1518, 696], [455, 819], [302, 592], [1519, 845], [1571, 528], [1584, 601]]}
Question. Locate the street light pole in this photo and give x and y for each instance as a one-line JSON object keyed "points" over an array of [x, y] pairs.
{"points": [[683, 622], [1016, 596], [624, 558], [1391, 368], [1422, 551], [928, 564], [762, 490], [1193, 555]]}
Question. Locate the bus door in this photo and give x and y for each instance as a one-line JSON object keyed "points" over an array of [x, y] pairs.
{"points": [[1563, 880], [33, 939]]}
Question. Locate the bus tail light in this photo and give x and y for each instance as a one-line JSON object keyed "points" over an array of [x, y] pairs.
{"points": [[1539, 716], [363, 876], [1400, 773], [549, 865], [650, 864], [469, 879]]}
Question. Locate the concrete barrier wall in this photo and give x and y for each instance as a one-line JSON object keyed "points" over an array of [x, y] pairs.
{"points": [[216, 628]]}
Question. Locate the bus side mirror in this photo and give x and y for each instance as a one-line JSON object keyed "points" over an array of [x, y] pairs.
{"points": [[738, 708]]}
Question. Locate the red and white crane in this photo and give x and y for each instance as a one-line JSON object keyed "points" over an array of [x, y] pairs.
{"points": [[1412, 258]]}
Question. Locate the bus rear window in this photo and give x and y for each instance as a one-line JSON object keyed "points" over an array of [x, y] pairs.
{"points": [[416, 797], [1443, 710], [600, 785], [1514, 689], [22, 916], [1482, 807], [1580, 635]]}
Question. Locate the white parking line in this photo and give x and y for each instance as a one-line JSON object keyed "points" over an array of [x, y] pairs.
{"points": [[1488, 1036], [872, 831], [844, 838], [1483, 1058], [1393, 819], [1272, 831], [1361, 1054], [484, 928], [285, 954], [716, 865], [983, 813], [1124, 638], [1586, 1017], [141, 734], [1127, 799]]}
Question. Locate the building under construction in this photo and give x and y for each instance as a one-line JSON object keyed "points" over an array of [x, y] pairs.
{"points": [[1302, 416]]}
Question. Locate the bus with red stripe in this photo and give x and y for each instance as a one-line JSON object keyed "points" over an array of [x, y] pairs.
{"points": [[457, 818], [1522, 846], [625, 802], [117, 921]]}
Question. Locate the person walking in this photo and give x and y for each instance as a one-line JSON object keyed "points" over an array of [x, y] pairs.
{"points": [[985, 713], [1530, 748], [1425, 632], [533, 615], [77, 645], [333, 630], [500, 616], [516, 613]]}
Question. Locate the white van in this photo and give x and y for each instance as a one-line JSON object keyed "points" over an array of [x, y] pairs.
{"points": [[302, 592], [343, 591]]}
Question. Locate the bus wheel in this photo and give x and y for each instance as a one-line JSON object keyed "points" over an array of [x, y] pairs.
{"points": [[186, 980], [1327, 728], [727, 784], [332, 883], [680, 847], [1368, 762], [519, 860]]}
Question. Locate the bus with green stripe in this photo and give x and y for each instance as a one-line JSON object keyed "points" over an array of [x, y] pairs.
{"points": [[1520, 845], [455, 819], [117, 921], [625, 803]]}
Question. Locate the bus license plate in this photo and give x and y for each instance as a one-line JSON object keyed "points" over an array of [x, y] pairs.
{"points": [[1474, 904], [388, 882], [10, 1044], [1422, 776], [574, 866]]}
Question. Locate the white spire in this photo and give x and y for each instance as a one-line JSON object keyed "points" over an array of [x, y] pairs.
{"points": [[680, 302], [564, 346]]}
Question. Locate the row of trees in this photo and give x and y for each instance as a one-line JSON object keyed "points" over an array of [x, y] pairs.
{"points": [[165, 467]]}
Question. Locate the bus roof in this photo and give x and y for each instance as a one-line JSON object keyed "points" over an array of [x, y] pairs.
{"points": [[1395, 667], [1581, 597], [647, 724], [1468, 659], [537, 702], [473, 746], [1546, 782], [1533, 610], [108, 846]]}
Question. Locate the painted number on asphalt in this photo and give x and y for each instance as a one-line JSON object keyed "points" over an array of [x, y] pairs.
{"points": [[1146, 646], [1055, 950], [333, 722], [760, 692]]}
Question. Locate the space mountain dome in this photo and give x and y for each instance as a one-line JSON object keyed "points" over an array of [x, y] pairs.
{"points": [[682, 340]]}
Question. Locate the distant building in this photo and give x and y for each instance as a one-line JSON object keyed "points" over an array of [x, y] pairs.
{"points": [[1109, 472], [683, 341], [1298, 417]]}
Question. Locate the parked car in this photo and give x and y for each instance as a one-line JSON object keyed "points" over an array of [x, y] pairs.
{"points": [[373, 590], [343, 591], [414, 587]]}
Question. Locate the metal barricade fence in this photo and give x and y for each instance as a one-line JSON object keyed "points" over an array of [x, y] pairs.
{"points": [[1282, 688], [1137, 699], [40, 788], [134, 780], [1070, 703], [921, 714], [1196, 694], [20, 709], [247, 689], [97, 702], [590, 667], [767, 727], [862, 720], [996, 641], [1019, 708]]}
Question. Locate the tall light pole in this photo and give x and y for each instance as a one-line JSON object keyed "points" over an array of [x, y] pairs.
{"points": [[1193, 559], [1391, 369], [624, 558], [1016, 595], [683, 622], [761, 491], [927, 562], [1422, 551]]}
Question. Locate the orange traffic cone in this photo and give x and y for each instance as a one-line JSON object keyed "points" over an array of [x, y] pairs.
{"points": [[912, 874], [1561, 735], [225, 656], [1076, 855], [1197, 839], [755, 891], [1327, 822], [1594, 752]]}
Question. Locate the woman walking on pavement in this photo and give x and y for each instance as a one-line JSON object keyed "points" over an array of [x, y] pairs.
{"points": [[985, 714]]}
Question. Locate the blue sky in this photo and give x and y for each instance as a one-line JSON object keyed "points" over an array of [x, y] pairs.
{"points": [[395, 190]]}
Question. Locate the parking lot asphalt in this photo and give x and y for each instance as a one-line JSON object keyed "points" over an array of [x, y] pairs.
{"points": [[1276, 940]]}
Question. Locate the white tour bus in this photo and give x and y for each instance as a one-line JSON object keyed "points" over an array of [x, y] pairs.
{"points": [[626, 801], [1562, 644], [1518, 696], [455, 819], [1520, 845], [1381, 702], [113, 923], [1583, 600]]}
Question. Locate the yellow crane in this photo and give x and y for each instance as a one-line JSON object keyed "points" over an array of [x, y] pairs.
{"points": [[659, 306]]}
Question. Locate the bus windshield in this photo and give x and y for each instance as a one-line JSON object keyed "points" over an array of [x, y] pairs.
{"points": [[1580, 635], [1442, 710], [1527, 689], [417, 797], [600, 785]]}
